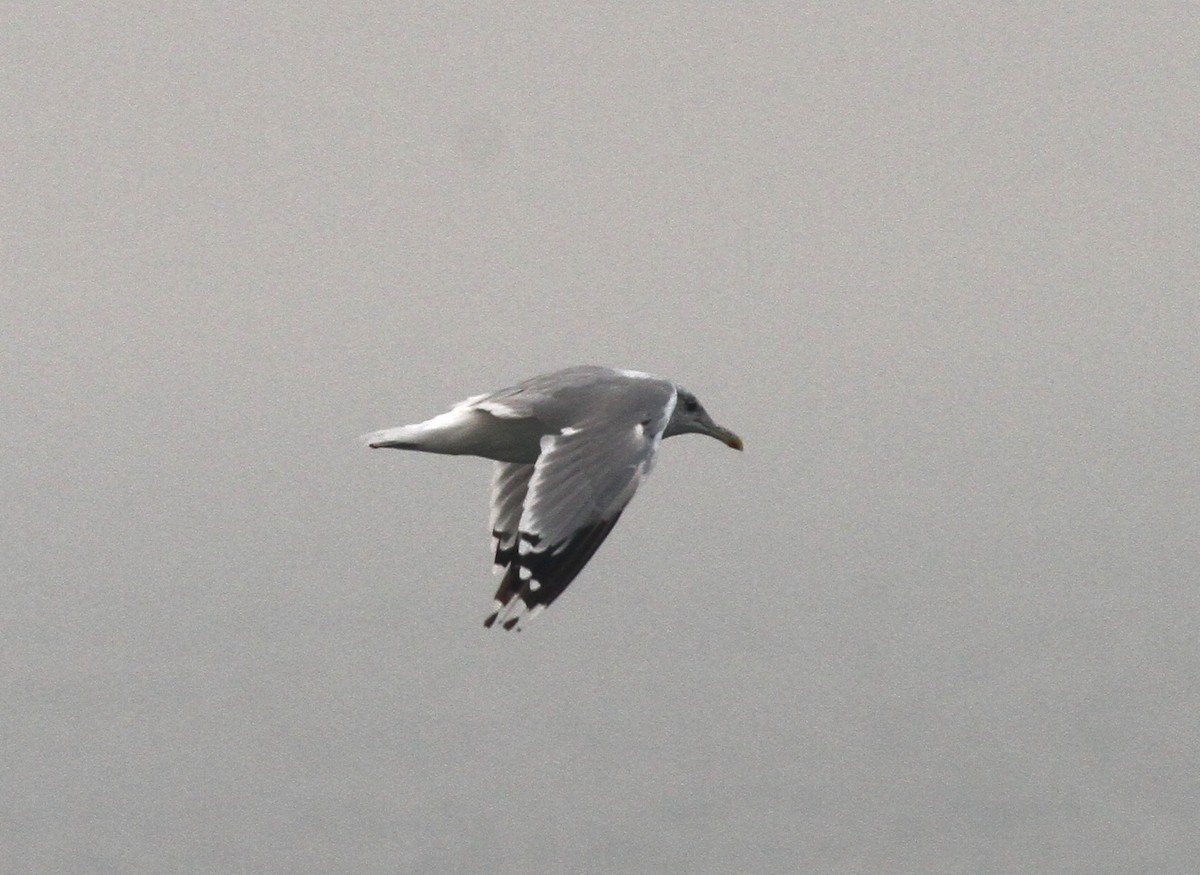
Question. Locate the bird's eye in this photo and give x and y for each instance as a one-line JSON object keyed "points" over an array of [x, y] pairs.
{"points": [[691, 405]]}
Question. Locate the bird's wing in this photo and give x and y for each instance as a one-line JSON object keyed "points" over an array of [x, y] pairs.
{"points": [[582, 480], [510, 482]]}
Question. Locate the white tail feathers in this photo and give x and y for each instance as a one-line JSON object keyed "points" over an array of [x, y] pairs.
{"points": [[404, 437], [466, 431]]}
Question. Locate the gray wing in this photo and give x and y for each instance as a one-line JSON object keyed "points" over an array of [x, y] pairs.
{"points": [[582, 480], [567, 397], [510, 482]]}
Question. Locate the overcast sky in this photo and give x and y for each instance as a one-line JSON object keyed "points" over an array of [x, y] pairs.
{"points": [[936, 263]]}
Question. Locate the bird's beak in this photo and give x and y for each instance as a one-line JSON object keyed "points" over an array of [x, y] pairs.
{"points": [[726, 437]]}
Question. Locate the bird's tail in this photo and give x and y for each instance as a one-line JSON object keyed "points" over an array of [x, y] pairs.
{"points": [[402, 438]]}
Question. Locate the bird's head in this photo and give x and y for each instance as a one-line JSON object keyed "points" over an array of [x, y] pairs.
{"points": [[689, 416]]}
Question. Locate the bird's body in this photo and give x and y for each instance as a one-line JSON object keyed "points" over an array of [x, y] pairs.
{"points": [[571, 448]]}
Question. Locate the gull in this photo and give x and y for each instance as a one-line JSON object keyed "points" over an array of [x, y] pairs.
{"points": [[571, 447]]}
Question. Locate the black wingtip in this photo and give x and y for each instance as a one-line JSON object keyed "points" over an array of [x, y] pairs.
{"points": [[487, 624], [508, 624]]}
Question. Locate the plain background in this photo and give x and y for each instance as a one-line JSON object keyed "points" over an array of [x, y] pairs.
{"points": [[937, 263]]}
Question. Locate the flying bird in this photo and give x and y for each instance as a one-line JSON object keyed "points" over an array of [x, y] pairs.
{"points": [[571, 447]]}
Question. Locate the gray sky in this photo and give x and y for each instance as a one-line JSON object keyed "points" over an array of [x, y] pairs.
{"points": [[937, 264]]}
